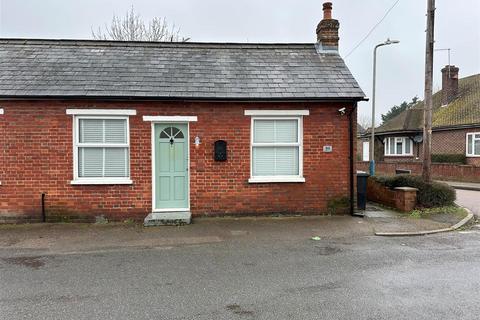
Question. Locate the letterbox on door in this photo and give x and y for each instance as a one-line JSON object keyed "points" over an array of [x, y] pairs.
{"points": [[220, 150]]}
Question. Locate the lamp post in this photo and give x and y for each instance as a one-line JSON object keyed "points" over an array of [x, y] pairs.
{"points": [[372, 138]]}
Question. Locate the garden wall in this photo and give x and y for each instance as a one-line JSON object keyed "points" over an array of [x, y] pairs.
{"points": [[440, 171], [400, 198]]}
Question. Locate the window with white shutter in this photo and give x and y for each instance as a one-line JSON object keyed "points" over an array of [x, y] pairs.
{"points": [[276, 149], [102, 150]]}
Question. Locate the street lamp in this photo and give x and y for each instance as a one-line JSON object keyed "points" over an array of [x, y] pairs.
{"points": [[372, 139]]}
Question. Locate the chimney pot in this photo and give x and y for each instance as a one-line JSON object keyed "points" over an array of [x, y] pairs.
{"points": [[449, 84], [327, 10], [327, 30]]}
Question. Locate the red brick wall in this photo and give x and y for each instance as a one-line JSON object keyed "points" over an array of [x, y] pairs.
{"points": [[440, 171], [37, 148], [449, 142], [473, 161], [453, 142], [403, 199]]}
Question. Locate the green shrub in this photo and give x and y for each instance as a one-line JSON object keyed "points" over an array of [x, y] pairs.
{"points": [[435, 194], [449, 158]]}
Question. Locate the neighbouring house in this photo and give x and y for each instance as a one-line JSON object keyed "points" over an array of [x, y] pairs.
{"points": [[170, 130], [455, 125], [363, 145]]}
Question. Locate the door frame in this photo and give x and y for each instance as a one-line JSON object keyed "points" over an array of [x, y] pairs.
{"points": [[172, 120]]}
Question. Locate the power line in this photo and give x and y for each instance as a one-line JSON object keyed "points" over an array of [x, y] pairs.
{"points": [[372, 29]]}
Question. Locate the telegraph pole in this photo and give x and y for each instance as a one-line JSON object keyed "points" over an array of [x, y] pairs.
{"points": [[427, 111]]}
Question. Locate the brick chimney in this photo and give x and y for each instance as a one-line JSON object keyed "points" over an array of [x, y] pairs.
{"points": [[449, 84], [327, 30]]}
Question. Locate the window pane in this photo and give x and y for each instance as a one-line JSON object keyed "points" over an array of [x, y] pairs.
{"points": [[91, 131], [399, 147], [115, 131], [408, 145], [477, 147], [116, 162], [263, 131], [263, 161], [275, 161], [286, 161], [470, 144], [90, 162], [392, 145], [286, 131]]}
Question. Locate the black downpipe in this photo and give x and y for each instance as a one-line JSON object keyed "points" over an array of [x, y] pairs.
{"points": [[44, 216], [351, 173]]}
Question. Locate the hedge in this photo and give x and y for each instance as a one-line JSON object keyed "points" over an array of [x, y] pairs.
{"points": [[435, 194], [449, 158]]}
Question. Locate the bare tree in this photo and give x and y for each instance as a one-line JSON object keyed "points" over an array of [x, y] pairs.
{"points": [[131, 27], [365, 121]]}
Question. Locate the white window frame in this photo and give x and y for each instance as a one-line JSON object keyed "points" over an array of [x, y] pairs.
{"points": [[386, 146], [471, 155], [77, 180], [299, 144]]}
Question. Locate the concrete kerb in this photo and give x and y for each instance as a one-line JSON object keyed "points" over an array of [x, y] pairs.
{"points": [[456, 226]]}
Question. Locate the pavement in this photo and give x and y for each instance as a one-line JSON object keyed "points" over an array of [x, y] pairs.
{"points": [[464, 185], [248, 268], [51, 238], [469, 199], [69, 238], [387, 221]]}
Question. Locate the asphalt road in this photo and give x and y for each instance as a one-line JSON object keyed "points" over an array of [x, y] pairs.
{"points": [[364, 277]]}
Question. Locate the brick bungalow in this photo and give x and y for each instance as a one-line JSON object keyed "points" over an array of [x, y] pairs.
{"points": [[170, 130], [456, 125]]}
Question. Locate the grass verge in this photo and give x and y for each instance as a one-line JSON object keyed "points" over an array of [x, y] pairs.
{"points": [[453, 211]]}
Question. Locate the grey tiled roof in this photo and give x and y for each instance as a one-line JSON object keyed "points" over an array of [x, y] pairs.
{"points": [[172, 70], [463, 110]]}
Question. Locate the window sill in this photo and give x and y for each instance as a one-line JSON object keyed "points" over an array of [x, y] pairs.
{"points": [[100, 181], [473, 155], [275, 179]]}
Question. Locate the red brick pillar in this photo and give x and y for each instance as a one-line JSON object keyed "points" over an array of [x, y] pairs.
{"points": [[405, 198]]}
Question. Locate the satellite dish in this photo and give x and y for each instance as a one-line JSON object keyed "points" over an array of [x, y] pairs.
{"points": [[418, 138]]}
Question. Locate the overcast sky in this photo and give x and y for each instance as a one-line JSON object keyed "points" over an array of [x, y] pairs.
{"points": [[400, 67]]}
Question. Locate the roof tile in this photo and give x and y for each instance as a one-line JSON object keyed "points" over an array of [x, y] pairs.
{"points": [[155, 70]]}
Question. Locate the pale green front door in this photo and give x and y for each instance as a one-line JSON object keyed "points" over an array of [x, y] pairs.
{"points": [[171, 166]]}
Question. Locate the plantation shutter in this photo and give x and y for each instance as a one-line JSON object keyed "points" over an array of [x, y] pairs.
{"points": [[90, 162], [264, 131], [91, 131], [264, 161], [103, 148], [115, 131], [116, 162], [275, 150]]}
